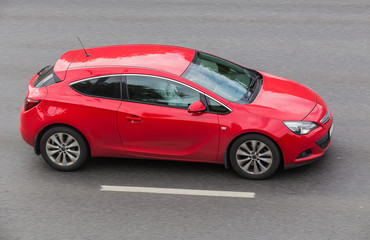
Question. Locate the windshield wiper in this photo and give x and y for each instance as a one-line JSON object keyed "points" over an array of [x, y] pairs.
{"points": [[251, 84]]}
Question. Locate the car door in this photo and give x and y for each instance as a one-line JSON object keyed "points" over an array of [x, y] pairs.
{"points": [[94, 107], [154, 121]]}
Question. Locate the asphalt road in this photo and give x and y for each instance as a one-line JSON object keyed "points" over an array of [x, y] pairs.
{"points": [[322, 44]]}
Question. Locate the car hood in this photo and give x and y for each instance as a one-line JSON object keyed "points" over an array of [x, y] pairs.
{"points": [[283, 99]]}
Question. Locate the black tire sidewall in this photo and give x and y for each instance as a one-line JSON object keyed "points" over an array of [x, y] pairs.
{"points": [[275, 153], [81, 141]]}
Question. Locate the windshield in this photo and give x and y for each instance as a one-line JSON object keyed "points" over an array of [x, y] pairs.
{"points": [[222, 77]]}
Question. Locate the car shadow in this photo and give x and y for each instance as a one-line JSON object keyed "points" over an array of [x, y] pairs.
{"points": [[189, 175], [162, 173]]}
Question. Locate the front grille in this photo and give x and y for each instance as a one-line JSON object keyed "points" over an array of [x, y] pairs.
{"points": [[326, 118], [324, 141]]}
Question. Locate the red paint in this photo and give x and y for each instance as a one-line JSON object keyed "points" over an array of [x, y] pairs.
{"points": [[116, 128], [197, 107], [164, 58], [168, 133]]}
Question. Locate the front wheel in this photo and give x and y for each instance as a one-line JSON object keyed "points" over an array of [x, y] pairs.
{"points": [[63, 149], [254, 156]]}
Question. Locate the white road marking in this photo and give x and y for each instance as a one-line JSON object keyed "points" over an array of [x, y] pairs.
{"points": [[178, 191]]}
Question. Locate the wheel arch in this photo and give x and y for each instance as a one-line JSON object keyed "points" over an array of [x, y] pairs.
{"points": [[226, 154], [36, 145]]}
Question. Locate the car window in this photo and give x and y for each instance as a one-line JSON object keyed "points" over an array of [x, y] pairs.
{"points": [[107, 87], [216, 107], [155, 90], [46, 77]]}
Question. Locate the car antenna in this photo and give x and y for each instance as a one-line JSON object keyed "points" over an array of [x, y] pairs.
{"points": [[87, 55]]}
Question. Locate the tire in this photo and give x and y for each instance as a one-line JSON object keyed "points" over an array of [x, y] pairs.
{"points": [[254, 156], [64, 148]]}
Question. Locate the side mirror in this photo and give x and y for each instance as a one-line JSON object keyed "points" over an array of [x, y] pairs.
{"points": [[197, 107]]}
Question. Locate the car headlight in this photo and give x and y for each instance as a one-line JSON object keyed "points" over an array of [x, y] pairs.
{"points": [[300, 127]]}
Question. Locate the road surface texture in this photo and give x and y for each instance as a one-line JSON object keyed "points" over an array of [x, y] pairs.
{"points": [[323, 44]]}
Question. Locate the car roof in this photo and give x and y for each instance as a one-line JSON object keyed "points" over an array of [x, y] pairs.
{"points": [[164, 58]]}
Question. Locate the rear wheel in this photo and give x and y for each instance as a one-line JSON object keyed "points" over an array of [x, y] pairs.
{"points": [[63, 149], [254, 156]]}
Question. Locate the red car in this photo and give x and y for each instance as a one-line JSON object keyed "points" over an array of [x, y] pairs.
{"points": [[173, 103]]}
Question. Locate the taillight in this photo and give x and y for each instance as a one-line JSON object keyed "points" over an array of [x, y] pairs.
{"points": [[30, 103]]}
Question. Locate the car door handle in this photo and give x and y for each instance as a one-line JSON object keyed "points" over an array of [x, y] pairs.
{"points": [[134, 119]]}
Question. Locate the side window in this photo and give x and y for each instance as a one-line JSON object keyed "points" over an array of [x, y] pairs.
{"points": [[154, 90], [216, 107], [108, 87]]}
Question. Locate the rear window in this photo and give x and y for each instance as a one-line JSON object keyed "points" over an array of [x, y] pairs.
{"points": [[105, 87], [46, 77]]}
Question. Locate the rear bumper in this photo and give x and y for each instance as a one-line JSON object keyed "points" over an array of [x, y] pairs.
{"points": [[26, 132], [30, 124], [30, 120]]}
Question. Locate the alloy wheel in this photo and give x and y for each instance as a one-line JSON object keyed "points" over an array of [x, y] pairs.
{"points": [[254, 157], [63, 149]]}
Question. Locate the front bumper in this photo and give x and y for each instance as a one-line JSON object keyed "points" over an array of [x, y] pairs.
{"points": [[316, 149]]}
